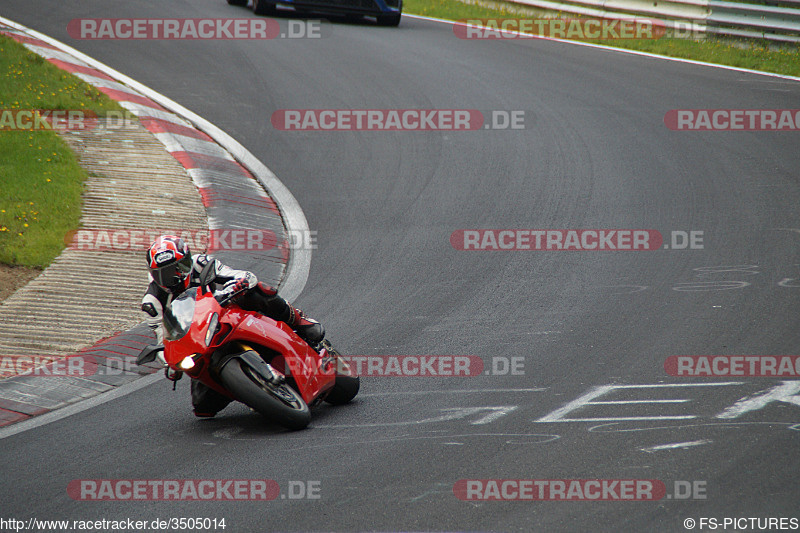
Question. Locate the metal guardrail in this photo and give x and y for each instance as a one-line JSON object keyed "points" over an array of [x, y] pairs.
{"points": [[756, 21], [694, 17]]}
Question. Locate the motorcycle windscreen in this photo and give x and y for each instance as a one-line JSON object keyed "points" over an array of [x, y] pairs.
{"points": [[179, 314]]}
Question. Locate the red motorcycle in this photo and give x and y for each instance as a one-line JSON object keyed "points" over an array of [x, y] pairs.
{"points": [[249, 357]]}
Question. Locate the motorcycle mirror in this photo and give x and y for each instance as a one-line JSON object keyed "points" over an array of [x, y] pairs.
{"points": [[206, 277], [148, 354]]}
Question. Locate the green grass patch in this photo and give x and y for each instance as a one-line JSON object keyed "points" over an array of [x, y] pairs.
{"points": [[749, 54], [40, 180]]}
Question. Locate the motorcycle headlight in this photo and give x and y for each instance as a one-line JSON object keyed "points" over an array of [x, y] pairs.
{"points": [[213, 327], [187, 363]]}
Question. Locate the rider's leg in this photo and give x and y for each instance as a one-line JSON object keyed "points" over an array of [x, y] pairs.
{"points": [[265, 300], [206, 401]]}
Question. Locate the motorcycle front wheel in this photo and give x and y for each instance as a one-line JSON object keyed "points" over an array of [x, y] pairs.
{"points": [[282, 404]]}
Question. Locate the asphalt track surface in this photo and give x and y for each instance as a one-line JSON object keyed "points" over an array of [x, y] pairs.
{"points": [[385, 280]]}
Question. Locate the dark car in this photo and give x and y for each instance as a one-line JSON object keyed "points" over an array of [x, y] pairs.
{"points": [[386, 12]]}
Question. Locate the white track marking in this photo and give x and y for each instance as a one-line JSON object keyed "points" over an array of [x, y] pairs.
{"points": [[676, 446], [787, 392], [487, 415], [618, 50], [600, 428], [456, 391], [94, 401], [511, 438], [587, 400]]}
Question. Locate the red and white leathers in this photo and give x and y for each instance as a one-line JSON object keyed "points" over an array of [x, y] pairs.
{"points": [[255, 297]]}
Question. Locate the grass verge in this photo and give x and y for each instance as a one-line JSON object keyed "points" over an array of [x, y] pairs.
{"points": [[40, 179], [749, 54]]}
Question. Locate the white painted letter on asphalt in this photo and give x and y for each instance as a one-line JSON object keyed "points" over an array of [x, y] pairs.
{"points": [[786, 392], [588, 399]]}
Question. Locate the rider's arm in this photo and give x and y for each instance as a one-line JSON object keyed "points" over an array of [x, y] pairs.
{"points": [[153, 307], [265, 299], [224, 273]]}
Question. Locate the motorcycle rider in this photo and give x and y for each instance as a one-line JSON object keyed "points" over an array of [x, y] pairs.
{"points": [[173, 269]]}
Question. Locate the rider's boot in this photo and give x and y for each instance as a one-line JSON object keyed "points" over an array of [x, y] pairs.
{"points": [[206, 401], [309, 329]]}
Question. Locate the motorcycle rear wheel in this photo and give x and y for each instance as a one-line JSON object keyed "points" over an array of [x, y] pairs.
{"points": [[281, 404], [347, 385], [344, 390]]}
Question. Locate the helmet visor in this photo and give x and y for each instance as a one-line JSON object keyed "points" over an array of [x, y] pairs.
{"points": [[169, 276]]}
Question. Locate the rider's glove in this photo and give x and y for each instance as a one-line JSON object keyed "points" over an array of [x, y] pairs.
{"points": [[236, 285]]}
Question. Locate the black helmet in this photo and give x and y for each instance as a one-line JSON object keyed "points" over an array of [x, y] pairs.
{"points": [[170, 263]]}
